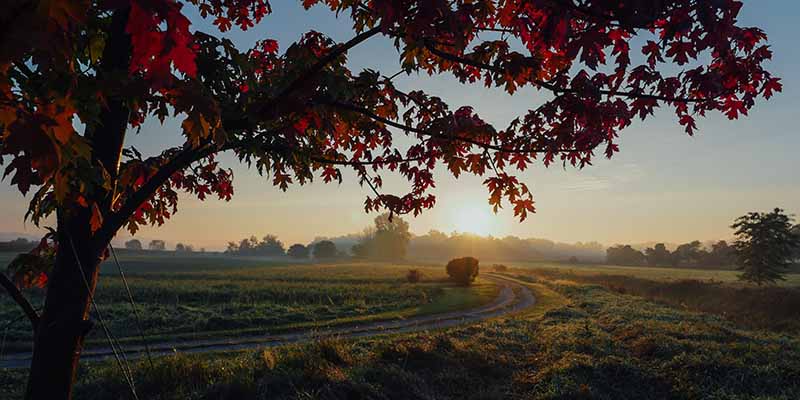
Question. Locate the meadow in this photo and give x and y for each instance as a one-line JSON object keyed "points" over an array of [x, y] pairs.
{"points": [[728, 276], [719, 292], [595, 332], [193, 296], [581, 341]]}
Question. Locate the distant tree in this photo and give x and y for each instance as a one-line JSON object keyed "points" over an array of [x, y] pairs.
{"points": [[298, 251], [414, 276], [624, 255], [721, 254], [388, 240], [463, 270], [267, 246], [17, 245], [658, 255], [21, 242], [796, 256], [133, 244], [248, 246], [358, 250], [157, 245], [573, 260], [183, 248], [324, 250], [270, 246], [500, 267], [688, 254], [765, 245]]}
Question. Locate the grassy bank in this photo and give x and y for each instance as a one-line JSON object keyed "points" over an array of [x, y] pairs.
{"points": [[652, 273], [770, 307], [582, 341]]}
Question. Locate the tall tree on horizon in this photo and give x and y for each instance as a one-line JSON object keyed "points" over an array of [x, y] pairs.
{"points": [[765, 246], [658, 255], [387, 240], [76, 76]]}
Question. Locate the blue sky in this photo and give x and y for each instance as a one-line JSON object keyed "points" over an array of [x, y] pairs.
{"points": [[663, 185]]}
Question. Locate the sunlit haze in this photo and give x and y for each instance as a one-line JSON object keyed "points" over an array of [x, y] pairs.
{"points": [[662, 186]]}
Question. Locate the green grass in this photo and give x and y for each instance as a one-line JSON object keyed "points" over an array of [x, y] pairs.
{"points": [[654, 273], [459, 297], [775, 308], [580, 342], [187, 297]]}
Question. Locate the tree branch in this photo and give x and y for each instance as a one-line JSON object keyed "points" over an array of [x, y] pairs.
{"points": [[183, 159], [370, 114], [549, 86], [307, 75], [20, 299]]}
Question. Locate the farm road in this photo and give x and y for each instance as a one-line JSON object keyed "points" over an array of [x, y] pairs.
{"points": [[513, 297]]}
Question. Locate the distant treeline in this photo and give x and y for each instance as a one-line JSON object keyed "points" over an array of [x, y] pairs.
{"points": [[268, 246], [693, 254], [437, 245], [271, 246], [18, 245]]}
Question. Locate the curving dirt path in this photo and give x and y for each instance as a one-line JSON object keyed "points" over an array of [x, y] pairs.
{"points": [[513, 298]]}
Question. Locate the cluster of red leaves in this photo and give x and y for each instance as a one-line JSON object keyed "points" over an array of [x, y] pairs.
{"points": [[579, 53], [31, 269], [303, 113], [204, 178], [155, 52], [242, 13]]}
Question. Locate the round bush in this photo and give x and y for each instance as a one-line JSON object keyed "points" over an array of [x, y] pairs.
{"points": [[463, 270]]}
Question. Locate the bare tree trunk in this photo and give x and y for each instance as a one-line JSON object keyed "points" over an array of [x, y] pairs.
{"points": [[65, 321]]}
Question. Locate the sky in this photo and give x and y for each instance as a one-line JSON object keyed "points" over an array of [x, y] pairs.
{"points": [[662, 186]]}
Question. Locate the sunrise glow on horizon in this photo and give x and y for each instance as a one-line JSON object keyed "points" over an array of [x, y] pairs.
{"points": [[662, 186]]}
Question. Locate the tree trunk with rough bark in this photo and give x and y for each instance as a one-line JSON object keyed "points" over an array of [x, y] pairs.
{"points": [[65, 322]]}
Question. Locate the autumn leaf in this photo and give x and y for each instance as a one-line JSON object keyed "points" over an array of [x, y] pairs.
{"points": [[195, 127], [96, 220]]}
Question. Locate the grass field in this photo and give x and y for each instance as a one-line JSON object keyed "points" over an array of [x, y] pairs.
{"points": [[200, 296], [596, 332], [653, 273], [581, 341]]}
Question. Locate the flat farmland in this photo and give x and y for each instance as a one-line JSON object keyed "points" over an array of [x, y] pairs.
{"points": [[186, 297]]}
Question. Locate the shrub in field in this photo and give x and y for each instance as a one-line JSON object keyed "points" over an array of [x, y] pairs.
{"points": [[500, 268], [414, 275], [463, 270]]}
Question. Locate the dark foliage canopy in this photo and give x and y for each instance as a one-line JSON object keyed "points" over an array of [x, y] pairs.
{"points": [[765, 245], [324, 250]]}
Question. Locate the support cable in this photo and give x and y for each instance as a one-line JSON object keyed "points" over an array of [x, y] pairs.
{"points": [[133, 305], [126, 372]]}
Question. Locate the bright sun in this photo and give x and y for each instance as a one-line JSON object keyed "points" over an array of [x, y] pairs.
{"points": [[473, 218]]}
